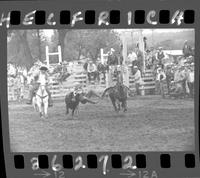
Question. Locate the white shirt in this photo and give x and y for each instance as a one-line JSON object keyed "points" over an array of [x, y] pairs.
{"points": [[42, 79], [138, 77], [132, 56], [190, 77], [159, 75], [91, 68]]}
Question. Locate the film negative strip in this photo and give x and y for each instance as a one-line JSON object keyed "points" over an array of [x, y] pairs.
{"points": [[100, 89]]}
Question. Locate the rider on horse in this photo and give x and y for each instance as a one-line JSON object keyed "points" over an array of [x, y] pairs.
{"points": [[40, 77]]}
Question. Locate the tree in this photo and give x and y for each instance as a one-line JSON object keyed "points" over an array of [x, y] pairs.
{"points": [[98, 39], [61, 40], [19, 52], [89, 42]]}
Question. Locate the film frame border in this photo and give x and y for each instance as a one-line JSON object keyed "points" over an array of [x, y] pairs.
{"points": [[185, 156]]}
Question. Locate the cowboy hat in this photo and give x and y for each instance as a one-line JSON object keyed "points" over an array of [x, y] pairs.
{"points": [[43, 68]]}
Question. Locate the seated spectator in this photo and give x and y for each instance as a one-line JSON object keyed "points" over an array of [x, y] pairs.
{"points": [[91, 70]]}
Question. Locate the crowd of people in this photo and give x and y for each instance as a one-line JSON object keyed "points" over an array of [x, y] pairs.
{"points": [[175, 79]]}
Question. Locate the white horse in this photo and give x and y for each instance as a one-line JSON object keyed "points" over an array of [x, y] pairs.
{"points": [[40, 101]]}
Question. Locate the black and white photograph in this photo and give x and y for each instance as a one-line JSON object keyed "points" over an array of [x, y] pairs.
{"points": [[101, 90]]}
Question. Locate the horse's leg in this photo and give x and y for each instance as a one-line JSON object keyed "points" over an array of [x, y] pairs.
{"points": [[125, 105], [67, 109], [118, 104], [73, 113], [40, 107], [113, 103], [77, 110], [45, 109]]}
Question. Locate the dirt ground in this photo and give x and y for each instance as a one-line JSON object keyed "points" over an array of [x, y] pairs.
{"points": [[150, 124]]}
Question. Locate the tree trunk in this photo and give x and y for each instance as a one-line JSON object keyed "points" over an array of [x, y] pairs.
{"points": [[79, 52], [39, 45], [29, 61], [61, 40]]}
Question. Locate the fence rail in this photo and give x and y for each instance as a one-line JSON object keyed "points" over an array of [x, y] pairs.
{"points": [[59, 90]]}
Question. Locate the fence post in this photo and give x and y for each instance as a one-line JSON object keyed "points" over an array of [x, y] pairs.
{"points": [[125, 71], [59, 54], [47, 55]]}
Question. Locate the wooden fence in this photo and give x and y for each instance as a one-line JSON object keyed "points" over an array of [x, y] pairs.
{"points": [[59, 90]]}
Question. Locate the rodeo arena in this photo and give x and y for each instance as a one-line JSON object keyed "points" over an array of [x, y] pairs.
{"points": [[140, 100]]}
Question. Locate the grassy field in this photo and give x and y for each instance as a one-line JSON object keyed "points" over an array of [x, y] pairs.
{"points": [[150, 124]]}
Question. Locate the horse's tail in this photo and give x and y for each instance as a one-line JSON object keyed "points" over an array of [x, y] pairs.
{"points": [[105, 91]]}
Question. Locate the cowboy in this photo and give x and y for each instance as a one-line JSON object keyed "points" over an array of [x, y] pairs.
{"points": [[41, 77], [138, 79]]}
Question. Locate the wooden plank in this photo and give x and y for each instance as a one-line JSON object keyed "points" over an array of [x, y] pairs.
{"points": [[149, 87]]}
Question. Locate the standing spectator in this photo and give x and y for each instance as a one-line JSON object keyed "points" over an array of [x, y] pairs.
{"points": [[160, 57], [91, 69], [140, 58], [137, 79], [161, 78], [85, 65], [190, 80], [149, 62], [145, 43], [157, 83], [112, 58], [183, 76], [133, 60], [102, 70], [187, 50], [169, 78], [180, 80]]}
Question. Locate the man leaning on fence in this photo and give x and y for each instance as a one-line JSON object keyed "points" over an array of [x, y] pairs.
{"points": [[138, 79], [42, 75]]}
